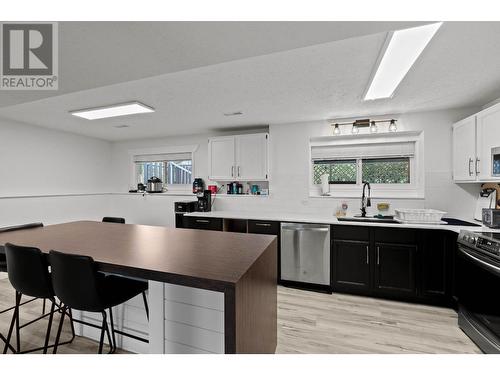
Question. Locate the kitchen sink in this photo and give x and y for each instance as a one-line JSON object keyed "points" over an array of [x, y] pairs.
{"points": [[370, 219]]}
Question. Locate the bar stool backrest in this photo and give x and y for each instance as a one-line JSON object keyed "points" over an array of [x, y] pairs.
{"points": [[28, 271], [75, 280]]}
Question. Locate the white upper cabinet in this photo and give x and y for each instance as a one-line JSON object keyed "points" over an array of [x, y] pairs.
{"points": [[238, 158], [464, 150], [221, 162], [488, 139], [251, 157], [476, 141]]}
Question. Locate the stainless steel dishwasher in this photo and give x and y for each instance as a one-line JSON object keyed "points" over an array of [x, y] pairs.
{"points": [[305, 253]]}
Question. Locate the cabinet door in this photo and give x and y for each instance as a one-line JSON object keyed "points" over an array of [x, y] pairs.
{"points": [[251, 157], [435, 264], [221, 163], [351, 265], [464, 150], [395, 269], [488, 137]]}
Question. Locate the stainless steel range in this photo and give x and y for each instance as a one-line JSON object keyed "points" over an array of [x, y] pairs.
{"points": [[478, 288]]}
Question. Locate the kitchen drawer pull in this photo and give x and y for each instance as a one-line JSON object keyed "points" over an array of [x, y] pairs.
{"points": [[262, 224], [367, 254], [378, 256], [477, 166], [232, 170], [202, 221], [470, 166], [238, 171]]}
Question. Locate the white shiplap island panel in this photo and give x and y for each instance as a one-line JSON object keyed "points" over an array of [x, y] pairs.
{"points": [[185, 319], [182, 320]]}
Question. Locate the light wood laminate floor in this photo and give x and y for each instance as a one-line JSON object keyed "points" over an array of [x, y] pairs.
{"points": [[311, 322]]}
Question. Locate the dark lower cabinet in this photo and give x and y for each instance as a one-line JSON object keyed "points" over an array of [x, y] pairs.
{"points": [[397, 263], [350, 265], [436, 264], [395, 269]]}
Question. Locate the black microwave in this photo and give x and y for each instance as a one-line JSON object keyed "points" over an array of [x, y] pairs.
{"points": [[185, 206]]}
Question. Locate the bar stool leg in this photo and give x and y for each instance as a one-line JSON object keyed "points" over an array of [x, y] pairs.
{"points": [[59, 329], [43, 308], [49, 326], [145, 304], [72, 325], [103, 328], [13, 321], [112, 328]]}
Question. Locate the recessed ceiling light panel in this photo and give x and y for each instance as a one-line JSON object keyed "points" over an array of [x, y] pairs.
{"points": [[402, 50], [115, 110]]}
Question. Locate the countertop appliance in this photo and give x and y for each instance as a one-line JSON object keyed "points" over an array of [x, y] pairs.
{"points": [[477, 285], [305, 253], [204, 201], [487, 199], [491, 217], [181, 208], [198, 186], [154, 185]]}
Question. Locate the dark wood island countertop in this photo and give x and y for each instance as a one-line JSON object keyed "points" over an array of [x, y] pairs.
{"points": [[243, 266]]}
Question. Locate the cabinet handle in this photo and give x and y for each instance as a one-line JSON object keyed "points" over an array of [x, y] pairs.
{"points": [[232, 170], [202, 221], [477, 166], [367, 254], [262, 224], [238, 171], [470, 166], [378, 256]]}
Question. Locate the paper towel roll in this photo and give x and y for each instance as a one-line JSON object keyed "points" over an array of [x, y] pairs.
{"points": [[325, 186]]}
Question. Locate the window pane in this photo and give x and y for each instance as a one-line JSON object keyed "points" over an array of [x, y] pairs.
{"points": [[179, 172], [340, 171], [386, 171], [146, 170]]}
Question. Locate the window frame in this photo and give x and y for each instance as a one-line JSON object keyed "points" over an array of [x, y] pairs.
{"points": [[178, 188], [415, 189]]}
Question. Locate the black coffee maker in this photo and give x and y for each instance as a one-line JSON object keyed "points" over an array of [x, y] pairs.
{"points": [[204, 201]]}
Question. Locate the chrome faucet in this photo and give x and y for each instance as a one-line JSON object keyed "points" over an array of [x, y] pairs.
{"points": [[365, 199]]}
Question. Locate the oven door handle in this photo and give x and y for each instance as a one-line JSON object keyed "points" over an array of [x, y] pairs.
{"points": [[479, 261]]}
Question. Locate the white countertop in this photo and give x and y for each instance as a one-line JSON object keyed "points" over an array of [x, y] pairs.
{"points": [[322, 219]]}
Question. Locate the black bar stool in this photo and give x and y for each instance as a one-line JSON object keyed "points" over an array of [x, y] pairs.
{"points": [[121, 220], [3, 268], [79, 285], [29, 275], [110, 219]]}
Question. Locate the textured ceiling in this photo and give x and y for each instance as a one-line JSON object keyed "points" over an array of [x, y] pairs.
{"points": [[459, 68]]}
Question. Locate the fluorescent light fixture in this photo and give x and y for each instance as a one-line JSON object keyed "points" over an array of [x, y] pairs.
{"points": [[114, 110], [402, 50]]}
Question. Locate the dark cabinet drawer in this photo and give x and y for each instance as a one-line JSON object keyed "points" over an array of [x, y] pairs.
{"points": [[207, 223], [350, 232], [264, 227]]}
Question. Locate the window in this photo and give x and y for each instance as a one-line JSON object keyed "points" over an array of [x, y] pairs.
{"points": [[340, 171], [173, 169], [386, 171], [374, 171], [391, 163]]}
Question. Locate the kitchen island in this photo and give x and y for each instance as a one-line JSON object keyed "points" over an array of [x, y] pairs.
{"points": [[209, 292]]}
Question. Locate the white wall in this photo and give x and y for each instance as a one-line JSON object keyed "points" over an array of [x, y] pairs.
{"points": [[37, 162], [80, 171], [289, 185]]}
